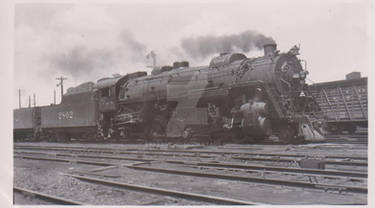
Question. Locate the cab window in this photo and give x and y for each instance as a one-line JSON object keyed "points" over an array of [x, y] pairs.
{"points": [[105, 92]]}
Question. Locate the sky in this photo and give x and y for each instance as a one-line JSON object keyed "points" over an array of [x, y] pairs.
{"points": [[86, 42]]}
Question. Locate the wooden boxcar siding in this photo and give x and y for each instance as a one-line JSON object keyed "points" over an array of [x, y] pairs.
{"points": [[344, 100]]}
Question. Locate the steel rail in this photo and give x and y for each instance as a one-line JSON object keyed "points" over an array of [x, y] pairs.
{"points": [[131, 151], [224, 165], [256, 180], [68, 160], [261, 154], [162, 191], [358, 136], [276, 169], [111, 151], [363, 141], [220, 176], [277, 159], [348, 142], [47, 197], [332, 162], [91, 156]]}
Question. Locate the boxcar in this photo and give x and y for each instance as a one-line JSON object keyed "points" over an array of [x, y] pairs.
{"points": [[343, 102]]}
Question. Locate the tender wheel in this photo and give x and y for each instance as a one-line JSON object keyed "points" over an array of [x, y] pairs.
{"points": [[187, 134], [335, 129], [287, 134], [238, 136], [351, 129]]}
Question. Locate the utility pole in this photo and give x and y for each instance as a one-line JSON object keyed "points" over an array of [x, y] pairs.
{"points": [[19, 98], [54, 97], [29, 101], [34, 99], [61, 84]]}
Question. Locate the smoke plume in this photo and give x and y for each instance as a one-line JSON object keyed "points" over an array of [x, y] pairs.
{"points": [[80, 60], [84, 59], [203, 46]]}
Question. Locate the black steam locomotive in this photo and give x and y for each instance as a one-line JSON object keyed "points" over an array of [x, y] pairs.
{"points": [[234, 97]]}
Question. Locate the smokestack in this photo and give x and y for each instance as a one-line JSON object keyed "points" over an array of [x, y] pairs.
{"points": [[269, 49]]}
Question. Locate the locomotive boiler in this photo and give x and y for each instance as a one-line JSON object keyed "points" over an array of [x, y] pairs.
{"points": [[233, 97]]}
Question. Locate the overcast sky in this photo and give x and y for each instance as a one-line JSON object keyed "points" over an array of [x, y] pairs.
{"points": [[85, 42]]}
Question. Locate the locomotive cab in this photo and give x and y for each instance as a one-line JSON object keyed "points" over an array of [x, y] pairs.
{"points": [[108, 91], [107, 103], [107, 94]]}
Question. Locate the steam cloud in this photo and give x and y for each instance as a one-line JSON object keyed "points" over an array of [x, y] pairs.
{"points": [[203, 46], [82, 60]]}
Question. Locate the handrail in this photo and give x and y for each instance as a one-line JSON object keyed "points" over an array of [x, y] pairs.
{"points": [[289, 85]]}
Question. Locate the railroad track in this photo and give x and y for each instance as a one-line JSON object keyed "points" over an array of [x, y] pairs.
{"points": [[365, 135], [159, 191], [291, 183], [106, 150], [137, 151], [332, 162], [347, 139], [290, 158], [165, 192], [211, 164], [199, 164], [46, 197], [361, 138]]}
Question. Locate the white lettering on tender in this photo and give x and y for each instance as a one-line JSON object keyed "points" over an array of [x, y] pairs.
{"points": [[65, 115]]}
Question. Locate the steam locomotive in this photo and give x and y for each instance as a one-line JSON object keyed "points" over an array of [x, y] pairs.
{"points": [[234, 97]]}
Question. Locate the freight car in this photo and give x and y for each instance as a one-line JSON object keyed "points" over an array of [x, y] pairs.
{"points": [[343, 102]]}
